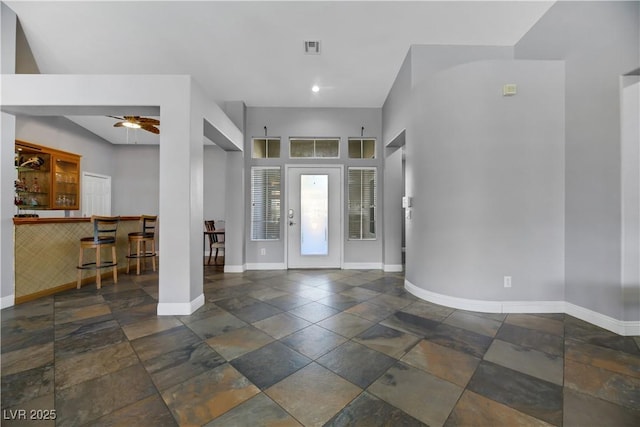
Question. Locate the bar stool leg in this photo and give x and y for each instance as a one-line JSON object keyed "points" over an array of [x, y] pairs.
{"points": [[80, 269], [153, 257], [144, 254], [98, 263], [114, 259], [138, 257], [129, 256]]}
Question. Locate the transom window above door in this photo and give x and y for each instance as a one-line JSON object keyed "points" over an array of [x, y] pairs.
{"points": [[266, 148], [362, 148], [314, 148]]}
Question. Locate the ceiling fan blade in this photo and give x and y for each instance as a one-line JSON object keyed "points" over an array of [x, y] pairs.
{"points": [[150, 128], [148, 121], [116, 117]]}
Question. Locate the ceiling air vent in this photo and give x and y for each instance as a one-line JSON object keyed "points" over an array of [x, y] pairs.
{"points": [[312, 47]]}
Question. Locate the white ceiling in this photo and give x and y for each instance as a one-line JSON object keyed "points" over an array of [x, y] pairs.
{"points": [[253, 51]]}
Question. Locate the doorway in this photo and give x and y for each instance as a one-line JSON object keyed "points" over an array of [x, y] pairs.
{"points": [[96, 194], [313, 216]]}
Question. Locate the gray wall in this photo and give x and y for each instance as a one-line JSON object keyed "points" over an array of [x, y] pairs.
{"points": [[486, 174], [422, 62], [314, 122], [134, 169], [599, 42]]}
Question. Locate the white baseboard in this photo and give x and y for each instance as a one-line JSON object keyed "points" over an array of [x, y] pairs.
{"points": [[620, 327], [235, 268], [393, 268], [266, 266], [7, 301], [362, 266], [180, 308]]}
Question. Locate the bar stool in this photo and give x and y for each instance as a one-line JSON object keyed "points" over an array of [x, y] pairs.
{"points": [[140, 239], [104, 236]]}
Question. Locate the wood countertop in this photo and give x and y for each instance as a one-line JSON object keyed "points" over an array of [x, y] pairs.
{"points": [[63, 220]]}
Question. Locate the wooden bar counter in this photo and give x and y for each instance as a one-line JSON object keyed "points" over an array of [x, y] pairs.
{"points": [[46, 254]]}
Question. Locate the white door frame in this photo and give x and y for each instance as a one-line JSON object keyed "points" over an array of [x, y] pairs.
{"points": [[285, 218]]}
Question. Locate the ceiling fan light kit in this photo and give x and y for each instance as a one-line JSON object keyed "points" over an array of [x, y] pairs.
{"points": [[138, 122]]}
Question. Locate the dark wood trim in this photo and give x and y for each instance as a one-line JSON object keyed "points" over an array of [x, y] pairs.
{"points": [[67, 286], [65, 220]]}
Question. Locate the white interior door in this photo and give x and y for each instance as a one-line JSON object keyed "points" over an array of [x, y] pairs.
{"points": [[96, 194], [314, 217]]}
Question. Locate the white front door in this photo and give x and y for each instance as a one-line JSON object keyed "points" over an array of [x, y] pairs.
{"points": [[314, 217]]}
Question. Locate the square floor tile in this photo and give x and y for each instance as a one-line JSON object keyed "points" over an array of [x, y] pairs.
{"points": [[474, 409], [410, 323], [524, 393], [346, 324], [327, 391], [151, 326], [610, 386], [73, 370], [448, 364], [288, 301], [371, 312], [478, 324], [270, 364], [583, 410], [530, 338], [314, 312], [216, 325], [27, 385], [239, 341], [163, 342], [100, 396], [257, 411], [151, 412], [603, 357], [528, 361], [248, 309], [180, 364], [348, 362], [339, 302], [542, 324], [459, 339], [369, 411], [387, 340], [419, 394], [209, 395], [313, 341], [281, 325]]}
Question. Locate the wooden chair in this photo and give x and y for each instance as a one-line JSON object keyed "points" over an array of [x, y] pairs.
{"points": [[139, 239], [214, 241], [104, 236]]}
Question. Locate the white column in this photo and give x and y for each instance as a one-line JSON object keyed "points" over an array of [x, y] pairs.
{"points": [[181, 271], [7, 176]]}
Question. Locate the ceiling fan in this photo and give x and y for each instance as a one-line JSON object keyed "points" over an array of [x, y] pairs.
{"points": [[138, 122]]}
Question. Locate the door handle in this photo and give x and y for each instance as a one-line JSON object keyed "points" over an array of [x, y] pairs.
{"points": [[291, 223]]}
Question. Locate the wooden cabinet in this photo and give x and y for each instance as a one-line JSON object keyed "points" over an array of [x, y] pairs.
{"points": [[46, 178]]}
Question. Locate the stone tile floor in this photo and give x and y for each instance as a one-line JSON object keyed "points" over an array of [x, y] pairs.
{"points": [[312, 348]]}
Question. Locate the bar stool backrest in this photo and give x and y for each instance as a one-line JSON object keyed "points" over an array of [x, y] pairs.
{"points": [[104, 228], [148, 224]]}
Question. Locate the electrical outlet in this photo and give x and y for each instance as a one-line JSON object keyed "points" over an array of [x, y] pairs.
{"points": [[507, 281], [263, 251]]}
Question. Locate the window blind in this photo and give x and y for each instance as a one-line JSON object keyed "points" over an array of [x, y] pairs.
{"points": [[362, 203], [265, 203]]}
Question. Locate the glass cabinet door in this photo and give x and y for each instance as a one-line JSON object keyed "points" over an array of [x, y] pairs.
{"points": [[32, 178], [66, 182]]}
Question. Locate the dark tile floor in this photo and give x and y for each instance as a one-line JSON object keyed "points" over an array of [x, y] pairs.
{"points": [[307, 348]]}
